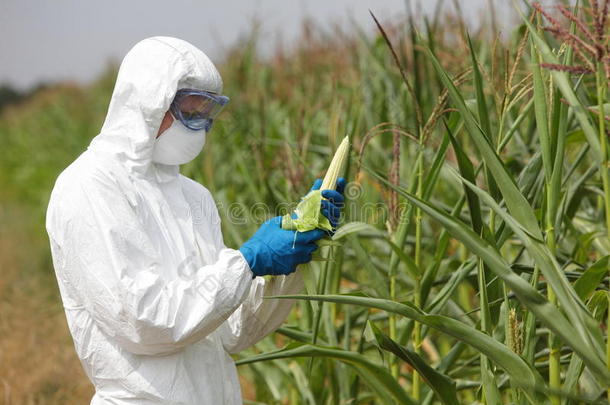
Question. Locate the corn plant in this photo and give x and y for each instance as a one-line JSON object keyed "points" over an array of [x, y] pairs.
{"points": [[518, 220]]}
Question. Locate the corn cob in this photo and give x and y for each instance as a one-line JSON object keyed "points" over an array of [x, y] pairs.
{"points": [[336, 166], [308, 214]]}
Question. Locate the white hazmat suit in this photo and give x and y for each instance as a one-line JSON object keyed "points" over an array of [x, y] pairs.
{"points": [[154, 300]]}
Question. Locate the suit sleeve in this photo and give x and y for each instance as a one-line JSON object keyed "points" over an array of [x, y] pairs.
{"points": [[257, 317], [103, 256]]}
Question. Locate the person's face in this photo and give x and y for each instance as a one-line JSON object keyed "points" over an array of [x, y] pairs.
{"points": [[166, 123]]}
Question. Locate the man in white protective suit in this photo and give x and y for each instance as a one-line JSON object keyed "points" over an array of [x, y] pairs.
{"points": [[154, 300]]}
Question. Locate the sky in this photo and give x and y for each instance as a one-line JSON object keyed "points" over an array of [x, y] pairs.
{"points": [[53, 40]]}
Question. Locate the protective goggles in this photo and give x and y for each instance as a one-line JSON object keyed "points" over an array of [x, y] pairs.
{"points": [[197, 109]]}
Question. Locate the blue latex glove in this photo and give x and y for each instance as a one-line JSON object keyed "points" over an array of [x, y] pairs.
{"points": [[331, 207], [275, 251]]}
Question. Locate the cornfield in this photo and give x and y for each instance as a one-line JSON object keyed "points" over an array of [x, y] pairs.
{"points": [[471, 265]]}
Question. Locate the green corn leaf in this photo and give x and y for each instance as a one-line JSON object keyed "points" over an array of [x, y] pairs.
{"points": [[357, 228], [584, 340], [513, 364], [542, 119], [361, 227], [483, 113], [482, 110], [586, 326], [297, 334], [565, 86], [592, 277], [442, 385], [467, 170], [516, 202], [580, 340], [376, 376]]}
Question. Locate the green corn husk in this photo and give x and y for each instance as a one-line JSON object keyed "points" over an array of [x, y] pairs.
{"points": [[308, 215]]}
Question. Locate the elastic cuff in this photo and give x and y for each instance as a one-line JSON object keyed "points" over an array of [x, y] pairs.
{"points": [[243, 253]]}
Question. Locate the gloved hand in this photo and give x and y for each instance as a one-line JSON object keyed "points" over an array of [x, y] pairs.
{"points": [[275, 251], [334, 200]]}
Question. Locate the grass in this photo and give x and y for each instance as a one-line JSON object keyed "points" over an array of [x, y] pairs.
{"points": [[472, 263]]}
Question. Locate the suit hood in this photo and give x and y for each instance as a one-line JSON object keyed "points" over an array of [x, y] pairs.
{"points": [[149, 76]]}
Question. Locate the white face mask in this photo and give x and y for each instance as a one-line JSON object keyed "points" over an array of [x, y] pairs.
{"points": [[178, 145]]}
